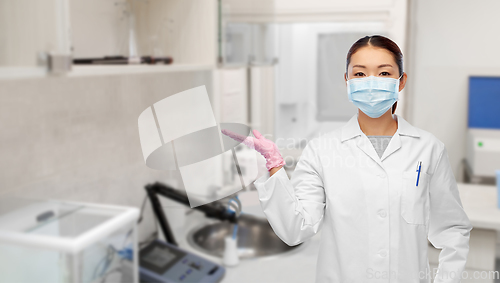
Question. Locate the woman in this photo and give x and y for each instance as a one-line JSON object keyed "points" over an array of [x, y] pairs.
{"points": [[378, 186]]}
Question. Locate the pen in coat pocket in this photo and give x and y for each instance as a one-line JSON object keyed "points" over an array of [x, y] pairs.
{"points": [[419, 166]]}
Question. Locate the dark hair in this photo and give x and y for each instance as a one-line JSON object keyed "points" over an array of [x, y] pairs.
{"points": [[381, 42]]}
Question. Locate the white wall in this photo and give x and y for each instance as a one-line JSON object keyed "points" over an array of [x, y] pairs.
{"points": [[28, 27], [449, 41], [77, 138]]}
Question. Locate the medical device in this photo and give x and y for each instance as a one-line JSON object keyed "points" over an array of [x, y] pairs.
{"points": [[61, 241], [166, 263], [483, 134]]}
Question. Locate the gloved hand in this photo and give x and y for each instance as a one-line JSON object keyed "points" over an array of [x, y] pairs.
{"points": [[264, 146]]}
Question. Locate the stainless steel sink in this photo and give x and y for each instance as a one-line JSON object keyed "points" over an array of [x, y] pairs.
{"points": [[256, 238]]}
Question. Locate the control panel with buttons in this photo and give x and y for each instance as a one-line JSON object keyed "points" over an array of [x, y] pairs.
{"points": [[166, 263]]}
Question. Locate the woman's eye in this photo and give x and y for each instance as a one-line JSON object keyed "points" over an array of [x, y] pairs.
{"points": [[386, 74], [358, 73]]}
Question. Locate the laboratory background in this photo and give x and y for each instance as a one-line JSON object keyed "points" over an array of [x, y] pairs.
{"points": [[78, 203]]}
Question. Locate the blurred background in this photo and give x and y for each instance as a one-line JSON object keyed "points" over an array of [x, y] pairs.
{"points": [[76, 74]]}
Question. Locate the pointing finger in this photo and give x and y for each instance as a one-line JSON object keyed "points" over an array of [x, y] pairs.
{"points": [[257, 134], [248, 141]]}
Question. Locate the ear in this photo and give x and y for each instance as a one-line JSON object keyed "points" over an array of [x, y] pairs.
{"points": [[402, 81], [345, 78]]}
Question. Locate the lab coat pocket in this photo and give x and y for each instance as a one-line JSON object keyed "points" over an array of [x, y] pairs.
{"points": [[415, 199]]}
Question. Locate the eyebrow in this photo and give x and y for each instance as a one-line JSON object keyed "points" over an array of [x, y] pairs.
{"points": [[380, 66]]}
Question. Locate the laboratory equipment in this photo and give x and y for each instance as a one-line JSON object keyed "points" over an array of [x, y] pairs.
{"points": [[482, 153], [230, 257], [59, 241], [483, 134], [212, 210], [165, 263]]}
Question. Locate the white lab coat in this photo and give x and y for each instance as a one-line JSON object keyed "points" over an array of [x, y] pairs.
{"points": [[375, 221]]}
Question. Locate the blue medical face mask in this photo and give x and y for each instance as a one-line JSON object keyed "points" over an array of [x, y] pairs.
{"points": [[373, 95]]}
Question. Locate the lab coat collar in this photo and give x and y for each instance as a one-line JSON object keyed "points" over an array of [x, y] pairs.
{"points": [[351, 128]]}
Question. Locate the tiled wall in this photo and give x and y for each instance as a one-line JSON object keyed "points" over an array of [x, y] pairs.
{"points": [[77, 138]]}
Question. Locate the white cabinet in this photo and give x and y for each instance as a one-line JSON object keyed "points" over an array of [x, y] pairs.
{"points": [[185, 30], [27, 27], [326, 6], [248, 44], [262, 100], [246, 95], [230, 88], [299, 10], [242, 7]]}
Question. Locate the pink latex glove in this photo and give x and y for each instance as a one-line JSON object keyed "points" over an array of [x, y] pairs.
{"points": [[264, 146]]}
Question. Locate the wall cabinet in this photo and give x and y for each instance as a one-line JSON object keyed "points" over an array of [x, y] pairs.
{"points": [[299, 10], [185, 30], [28, 27]]}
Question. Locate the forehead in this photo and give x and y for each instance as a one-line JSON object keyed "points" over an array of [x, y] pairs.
{"points": [[371, 56]]}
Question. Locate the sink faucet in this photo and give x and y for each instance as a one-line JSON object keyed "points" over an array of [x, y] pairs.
{"points": [[214, 209]]}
